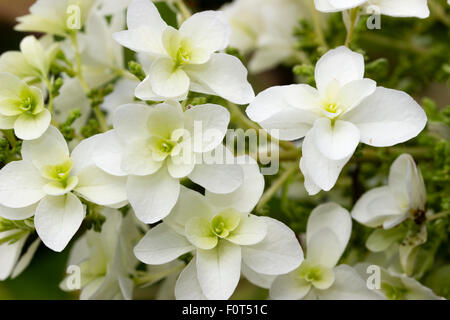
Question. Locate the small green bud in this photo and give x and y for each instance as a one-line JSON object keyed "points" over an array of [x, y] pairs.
{"points": [[137, 70]]}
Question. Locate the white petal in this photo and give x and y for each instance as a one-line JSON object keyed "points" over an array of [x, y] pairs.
{"points": [[7, 123], [25, 260], [123, 93], [144, 13], [403, 8], [190, 204], [9, 253], [29, 127], [50, 149], [223, 75], [376, 206], [244, 198], [144, 91], [219, 270], [21, 185], [187, 286], [330, 216], [57, 219], [286, 108], [97, 186], [289, 287], [108, 153], [335, 142], [208, 125], [340, 64], [324, 248], [251, 230], [336, 5], [278, 253], [354, 92], [145, 28], [348, 285], [161, 245], [137, 159], [130, 121], [17, 213], [218, 178], [387, 117], [153, 197], [321, 171], [167, 80], [258, 279], [406, 182], [208, 30], [179, 167]]}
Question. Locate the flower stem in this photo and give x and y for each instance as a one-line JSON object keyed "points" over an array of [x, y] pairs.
{"points": [[278, 183], [9, 135], [238, 115], [438, 215], [185, 12], [79, 70], [353, 13], [317, 26]]}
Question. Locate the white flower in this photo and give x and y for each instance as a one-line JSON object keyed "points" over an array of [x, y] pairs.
{"points": [[13, 262], [225, 238], [101, 56], [344, 110], [264, 27], [327, 233], [111, 7], [32, 62], [395, 8], [184, 59], [159, 145], [123, 94], [22, 108], [395, 286], [58, 17], [106, 259], [45, 182], [390, 205]]}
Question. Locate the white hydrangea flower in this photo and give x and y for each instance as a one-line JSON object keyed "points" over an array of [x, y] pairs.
{"points": [[396, 286], [46, 184], [394, 8], [184, 59], [390, 205], [156, 146], [13, 261], [22, 108], [101, 56], [105, 259], [32, 62], [344, 110], [327, 234], [264, 27], [225, 238], [57, 17], [123, 94]]}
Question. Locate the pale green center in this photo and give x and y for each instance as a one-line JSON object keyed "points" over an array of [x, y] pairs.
{"points": [[61, 181], [205, 234], [317, 275]]}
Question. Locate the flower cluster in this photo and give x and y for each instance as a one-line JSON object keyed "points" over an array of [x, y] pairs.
{"points": [[123, 153]]}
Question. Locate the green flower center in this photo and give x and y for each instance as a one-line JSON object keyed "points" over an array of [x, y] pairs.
{"points": [[27, 104], [58, 172], [225, 222]]}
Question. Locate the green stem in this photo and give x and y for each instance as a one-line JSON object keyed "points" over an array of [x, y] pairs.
{"points": [[101, 119], [9, 135], [153, 277], [439, 12], [79, 70], [185, 12], [50, 94], [353, 13], [278, 183], [239, 116], [438, 215], [78, 64], [317, 26]]}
